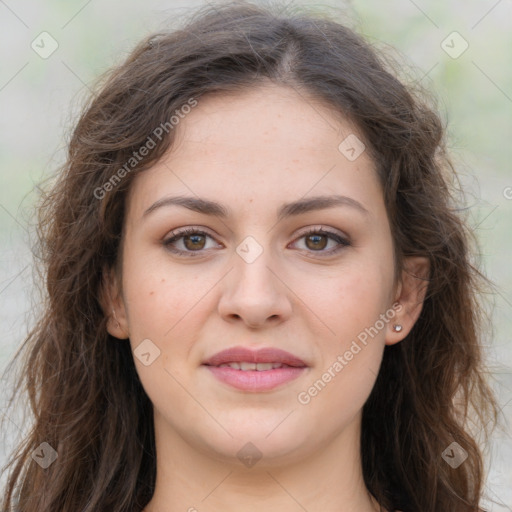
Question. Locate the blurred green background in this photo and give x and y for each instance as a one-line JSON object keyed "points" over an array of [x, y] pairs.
{"points": [[41, 94]]}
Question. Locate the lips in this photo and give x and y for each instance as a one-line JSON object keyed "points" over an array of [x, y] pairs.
{"points": [[259, 357], [255, 371]]}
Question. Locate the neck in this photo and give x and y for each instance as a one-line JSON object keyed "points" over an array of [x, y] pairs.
{"points": [[196, 480]]}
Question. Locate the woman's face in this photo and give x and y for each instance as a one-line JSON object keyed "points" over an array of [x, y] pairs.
{"points": [[269, 160]]}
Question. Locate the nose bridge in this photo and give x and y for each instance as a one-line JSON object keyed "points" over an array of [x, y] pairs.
{"points": [[253, 291], [252, 275]]}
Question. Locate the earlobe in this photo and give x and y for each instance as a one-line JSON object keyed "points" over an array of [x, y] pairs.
{"points": [[113, 305], [410, 295]]}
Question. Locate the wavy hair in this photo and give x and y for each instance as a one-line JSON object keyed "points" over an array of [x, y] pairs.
{"points": [[84, 393]]}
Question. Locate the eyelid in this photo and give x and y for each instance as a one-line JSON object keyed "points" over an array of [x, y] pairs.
{"points": [[318, 228]]}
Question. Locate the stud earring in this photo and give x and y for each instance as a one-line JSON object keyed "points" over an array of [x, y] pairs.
{"points": [[397, 327]]}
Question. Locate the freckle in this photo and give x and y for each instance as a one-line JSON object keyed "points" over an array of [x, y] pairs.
{"points": [[163, 280], [151, 293]]}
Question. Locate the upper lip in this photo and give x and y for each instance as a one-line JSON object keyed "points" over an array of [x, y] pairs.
{"points": [[262, 355]]}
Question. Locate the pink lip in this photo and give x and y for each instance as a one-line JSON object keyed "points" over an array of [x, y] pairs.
{"points": [[262, 355], [254, 380]]}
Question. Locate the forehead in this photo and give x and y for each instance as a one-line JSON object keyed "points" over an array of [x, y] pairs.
{"points": [[268, 113], [261, 144]]}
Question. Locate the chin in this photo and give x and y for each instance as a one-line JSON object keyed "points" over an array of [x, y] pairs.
{"points": [[254, 443]]}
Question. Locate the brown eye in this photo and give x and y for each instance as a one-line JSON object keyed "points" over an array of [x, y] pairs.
{"points": [[316, 241], [194, 242]]}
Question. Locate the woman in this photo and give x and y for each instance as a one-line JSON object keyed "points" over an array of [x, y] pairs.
{"points": [[259, 290]]}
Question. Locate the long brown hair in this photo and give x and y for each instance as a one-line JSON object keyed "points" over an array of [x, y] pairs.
{"points": [[83, 389]]}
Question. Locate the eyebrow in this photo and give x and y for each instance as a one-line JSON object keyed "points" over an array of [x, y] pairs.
{"points": [[298, 207]]}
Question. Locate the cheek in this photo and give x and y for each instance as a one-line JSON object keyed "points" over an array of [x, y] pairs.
{"points": [[167, 307], [352, 299], [163, 309], [351, 353], [158, 295], [350, 359]]}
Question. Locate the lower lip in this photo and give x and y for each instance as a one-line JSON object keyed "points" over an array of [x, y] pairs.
{"points": [[253, 380]]}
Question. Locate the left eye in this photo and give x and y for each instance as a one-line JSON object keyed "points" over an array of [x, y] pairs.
{"points": [[194, 241]]}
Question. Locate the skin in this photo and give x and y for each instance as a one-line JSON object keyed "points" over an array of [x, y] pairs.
{"points": [[252, 152]]}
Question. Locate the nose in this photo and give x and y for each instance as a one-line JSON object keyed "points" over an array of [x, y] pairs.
{"points": [[255, 293]]}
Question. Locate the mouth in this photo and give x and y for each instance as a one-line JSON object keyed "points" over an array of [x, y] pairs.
{"points": [[255, 370], [245, 366]]}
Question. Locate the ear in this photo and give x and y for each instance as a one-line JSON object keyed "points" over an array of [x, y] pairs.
{"points": [[113, 306], [410, 295]]}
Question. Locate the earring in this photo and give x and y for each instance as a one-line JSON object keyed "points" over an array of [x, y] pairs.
{"points": [[397, 327]]}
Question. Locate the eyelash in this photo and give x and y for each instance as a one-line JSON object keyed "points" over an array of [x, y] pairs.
{"points": [[189, 231]]}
